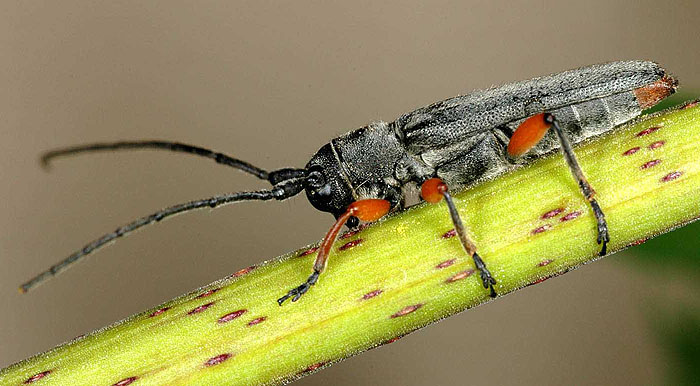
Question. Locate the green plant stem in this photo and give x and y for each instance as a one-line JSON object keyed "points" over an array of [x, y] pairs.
{"points": [[396, 276]]}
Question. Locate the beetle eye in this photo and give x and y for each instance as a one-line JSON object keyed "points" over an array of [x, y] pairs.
{"points": [[315, 179], [353, 222]]}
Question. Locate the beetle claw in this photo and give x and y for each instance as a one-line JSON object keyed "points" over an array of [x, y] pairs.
{"points": [[485, 274], [488, 281], [295, 293], [603, 237], [603, 240]]}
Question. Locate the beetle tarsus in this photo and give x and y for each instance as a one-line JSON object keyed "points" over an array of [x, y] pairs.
{"points": [[431, 190], [603, 249], [295, 293], [485, 274], [604, 239], [603, 234]]}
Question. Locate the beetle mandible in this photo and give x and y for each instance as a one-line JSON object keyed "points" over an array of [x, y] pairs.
{"points": [[455, 143]]}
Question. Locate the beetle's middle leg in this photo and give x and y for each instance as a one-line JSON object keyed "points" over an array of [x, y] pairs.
{"points": [[433, 190], [529, 133]]}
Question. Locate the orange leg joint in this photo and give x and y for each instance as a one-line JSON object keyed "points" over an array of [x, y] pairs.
{"points": [[529, 134]]}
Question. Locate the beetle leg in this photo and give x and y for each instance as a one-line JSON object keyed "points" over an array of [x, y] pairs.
{"points": [[433, 190], [366, 210], [529, 133], [295, 293], [586, 188]]}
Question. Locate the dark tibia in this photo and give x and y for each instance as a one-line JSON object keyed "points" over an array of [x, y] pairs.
{"points": [[469, 246], [295, 293], [586, 188], [162, 145]]}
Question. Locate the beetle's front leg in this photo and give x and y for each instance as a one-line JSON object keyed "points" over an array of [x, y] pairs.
{"points": [[433, 190], [295, 293], [370, 209], [529, 133]]}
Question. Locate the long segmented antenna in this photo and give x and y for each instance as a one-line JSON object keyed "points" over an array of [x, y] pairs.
{"points": [[212, 202], [153, 144]]}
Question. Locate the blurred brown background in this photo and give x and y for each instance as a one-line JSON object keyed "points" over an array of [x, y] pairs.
{"points": [[270, 82]]}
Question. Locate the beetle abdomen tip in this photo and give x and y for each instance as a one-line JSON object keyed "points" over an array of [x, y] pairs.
{"points": [[652, 94]]}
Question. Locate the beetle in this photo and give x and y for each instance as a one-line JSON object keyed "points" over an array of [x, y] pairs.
{"points": [[449, 145]]}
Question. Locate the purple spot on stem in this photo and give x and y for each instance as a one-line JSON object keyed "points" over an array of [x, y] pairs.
{"points": [[217, 359], [201, 308], [243, 271], [126, 381], [631, 151], [313, 367], [308, 251], [37, 377], [257, 321], [350, 244], [690, 105], [650, 164], [158, 312], [648, 131], [230, 316], [541, 229], [552, 213], [349, 234], [639, 242], [656, 145], [406, 310], [544, 262], [671, 176], [570, 216], [370, 295], [449, 234], [459, 276], [205, 294], [445, 264], [394, 339]]}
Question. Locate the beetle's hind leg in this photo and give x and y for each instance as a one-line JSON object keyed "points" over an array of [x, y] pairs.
{"points": [[584, 185], [433, 190], [529, 133]]}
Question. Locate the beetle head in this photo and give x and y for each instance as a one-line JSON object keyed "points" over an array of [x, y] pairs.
{"points": [[326, 187]]}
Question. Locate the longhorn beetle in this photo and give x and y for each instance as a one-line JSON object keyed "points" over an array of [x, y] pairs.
{"points": [[362, 175]]}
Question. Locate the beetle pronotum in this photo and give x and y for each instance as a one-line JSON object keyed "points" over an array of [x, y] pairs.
{"points": [[455, 143]]}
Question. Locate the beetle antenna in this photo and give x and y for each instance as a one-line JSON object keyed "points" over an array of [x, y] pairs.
{"points": [[154, 144], [281, 191]]}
